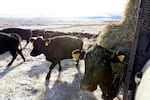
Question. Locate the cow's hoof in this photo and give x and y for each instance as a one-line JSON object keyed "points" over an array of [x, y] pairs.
{"points": [[59, 81], [46, 82], [9, 64]]}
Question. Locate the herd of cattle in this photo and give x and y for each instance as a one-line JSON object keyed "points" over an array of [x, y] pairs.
{"points": [[102, 66], [10, 39]]}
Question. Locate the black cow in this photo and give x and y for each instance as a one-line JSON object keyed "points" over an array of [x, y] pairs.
{"points": [[25, 34], [50, 34], [10, 42], [103, 68], [36, 33]]}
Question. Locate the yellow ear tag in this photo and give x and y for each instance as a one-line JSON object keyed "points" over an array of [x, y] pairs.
{"points": [[121, 57], [46, 43], [76, 56]]}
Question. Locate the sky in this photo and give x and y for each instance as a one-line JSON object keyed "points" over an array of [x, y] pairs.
{"points": [[61, 8]]}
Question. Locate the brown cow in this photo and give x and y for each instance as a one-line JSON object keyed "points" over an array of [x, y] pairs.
{"points": [[56, 49]]}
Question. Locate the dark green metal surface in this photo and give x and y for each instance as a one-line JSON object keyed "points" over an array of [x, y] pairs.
{"points": [[140, 51]]}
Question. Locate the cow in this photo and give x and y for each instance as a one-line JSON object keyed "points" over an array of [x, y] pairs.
{"points": [[56, 49], [11, 42], [36, 33], [104, 68], [83, 35], [50, 34], [47, 34], [25, 34]]}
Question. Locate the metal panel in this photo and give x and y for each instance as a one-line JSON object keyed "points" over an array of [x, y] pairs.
{"points": [[140, 51]]}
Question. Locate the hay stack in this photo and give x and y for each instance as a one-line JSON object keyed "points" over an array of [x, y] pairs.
{"points": [[119, 35]]}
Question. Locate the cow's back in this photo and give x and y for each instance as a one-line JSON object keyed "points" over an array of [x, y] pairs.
{"points": [[23, 33], [61, 47]]}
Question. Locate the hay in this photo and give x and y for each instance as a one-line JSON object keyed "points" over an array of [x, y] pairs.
{"points": [[119, 35]]}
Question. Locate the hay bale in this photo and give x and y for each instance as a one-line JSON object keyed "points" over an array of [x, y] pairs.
{"points": [[119, 35]]}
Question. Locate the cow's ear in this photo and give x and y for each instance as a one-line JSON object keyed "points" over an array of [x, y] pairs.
{"points": [[118, 57], [46, 42], [121, 57]]}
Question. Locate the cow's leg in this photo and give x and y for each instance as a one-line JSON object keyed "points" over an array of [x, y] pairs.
{"points": [[60, 68], [26, 44], [50, 69], [77, 64], [14, 54], [78, 67], [20, 53]]}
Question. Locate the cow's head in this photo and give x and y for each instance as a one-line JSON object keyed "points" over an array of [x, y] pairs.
{"points": [[39, 45], [98, 69]]}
